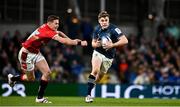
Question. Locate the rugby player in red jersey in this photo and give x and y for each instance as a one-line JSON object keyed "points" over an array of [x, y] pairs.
{"points": [[30, 55]]}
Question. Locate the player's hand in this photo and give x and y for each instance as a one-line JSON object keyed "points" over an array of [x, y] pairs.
{"points": [[84, 43], [108, 45], [98, 43]]}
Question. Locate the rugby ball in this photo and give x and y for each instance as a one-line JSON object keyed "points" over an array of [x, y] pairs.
{"points": [[104, 40]]}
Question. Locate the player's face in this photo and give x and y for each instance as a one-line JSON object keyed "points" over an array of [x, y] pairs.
{"points": [[54, 24], [104, 22]]}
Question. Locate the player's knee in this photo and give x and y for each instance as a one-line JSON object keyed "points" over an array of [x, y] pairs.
{"points": [[95, 71], [47, 74]]}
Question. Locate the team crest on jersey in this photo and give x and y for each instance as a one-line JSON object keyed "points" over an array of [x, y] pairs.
{"points": [[118, 30]]}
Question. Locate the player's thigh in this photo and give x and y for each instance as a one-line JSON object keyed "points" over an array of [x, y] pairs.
{"points": [[96, 63], [43, 66]]}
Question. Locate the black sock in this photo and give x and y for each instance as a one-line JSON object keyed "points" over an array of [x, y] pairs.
{"points": [[16, 78], [42, 87], [91, 84]]}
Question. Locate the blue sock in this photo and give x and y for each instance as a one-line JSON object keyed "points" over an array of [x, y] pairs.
{"points": [[91, 84]]}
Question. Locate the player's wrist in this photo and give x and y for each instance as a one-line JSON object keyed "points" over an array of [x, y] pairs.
{"points": [[79, 43]]}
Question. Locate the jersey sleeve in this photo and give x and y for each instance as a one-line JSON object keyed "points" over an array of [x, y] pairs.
{"points": [[95, 33], [51, 34]]}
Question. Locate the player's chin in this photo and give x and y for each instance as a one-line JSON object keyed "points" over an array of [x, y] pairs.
{"points": [[104, 27], [56, 28]]}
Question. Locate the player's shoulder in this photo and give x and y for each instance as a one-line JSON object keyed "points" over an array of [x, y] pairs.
{"points": [[97, 27], [112, 26], [115, 29], [42, 28]]}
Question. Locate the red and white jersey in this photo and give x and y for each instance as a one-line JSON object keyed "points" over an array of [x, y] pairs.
{"points": [[38, 38]]}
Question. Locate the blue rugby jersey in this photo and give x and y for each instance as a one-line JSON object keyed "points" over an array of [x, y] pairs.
{"points": [[113, 32]]}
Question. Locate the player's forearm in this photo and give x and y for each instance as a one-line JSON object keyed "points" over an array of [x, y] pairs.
{"points": [[66, 41], [122, 41], [69, 41]]}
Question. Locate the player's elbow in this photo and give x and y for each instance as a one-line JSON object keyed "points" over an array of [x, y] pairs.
{"points": [[124, 40]]}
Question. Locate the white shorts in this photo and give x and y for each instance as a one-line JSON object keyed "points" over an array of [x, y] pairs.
{"points": [[106, 62], [28, 59]]}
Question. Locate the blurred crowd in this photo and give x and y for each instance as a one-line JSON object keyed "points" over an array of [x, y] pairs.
{"points": [[145, 60]]}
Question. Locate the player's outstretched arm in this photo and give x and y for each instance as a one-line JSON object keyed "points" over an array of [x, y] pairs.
{"points": [[68, 41]]}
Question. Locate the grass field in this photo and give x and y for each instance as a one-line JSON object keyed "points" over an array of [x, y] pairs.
{"points": [[79, 101]]}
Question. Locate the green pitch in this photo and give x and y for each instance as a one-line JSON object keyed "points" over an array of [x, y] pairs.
{"points": [[79, 101]]}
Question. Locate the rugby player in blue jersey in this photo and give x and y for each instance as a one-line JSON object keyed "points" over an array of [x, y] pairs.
{"points": [[106, 38]]}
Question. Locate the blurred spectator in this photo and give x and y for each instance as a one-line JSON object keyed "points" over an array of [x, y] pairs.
{"points": [[173, 30], [56, 71], [161, 28], [73, 26], [151, 75], [8, 69], [142, 77], [83, 77], [16, 39], [176, 77], [76, 68], [3, 60], [6, 40], [165, 77], [113, 79], [123, 70]]}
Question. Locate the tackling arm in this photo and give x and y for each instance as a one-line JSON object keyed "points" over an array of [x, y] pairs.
{"points": [[66, 40]]}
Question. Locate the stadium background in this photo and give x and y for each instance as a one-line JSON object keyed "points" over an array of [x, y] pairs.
{"points": [[149, 66]]}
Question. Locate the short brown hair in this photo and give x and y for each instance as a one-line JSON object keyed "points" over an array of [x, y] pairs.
{"points": [[52, 18], [103, 14]]}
